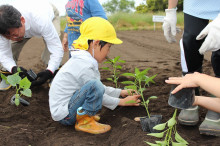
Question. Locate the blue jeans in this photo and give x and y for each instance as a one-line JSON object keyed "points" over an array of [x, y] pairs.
{"points": [[89, 97]]}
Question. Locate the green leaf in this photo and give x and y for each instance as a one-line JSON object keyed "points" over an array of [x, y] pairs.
{"points": [[130, 101], [107, 62], [110, 79], [118, 67], [178, 144], [4, 78], [25, 83], [128, 82], [144, 72], [141, 89], [160, 126], [128, 74], [137, 71], [131, 87], [13, 79], [147, 102], [179, 139], [152, 97], [162, 143], [151, 144], [105, 68], [150, 79], [18, 69], [116, 58], [17, 101], [121, 61], [171, 122], [158, 135], [27, 92]]}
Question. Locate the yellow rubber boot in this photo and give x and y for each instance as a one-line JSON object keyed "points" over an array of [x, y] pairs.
{"points": [[88, 124]]}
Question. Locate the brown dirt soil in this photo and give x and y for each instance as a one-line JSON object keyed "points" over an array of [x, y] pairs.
{"points": [[33, 125]]}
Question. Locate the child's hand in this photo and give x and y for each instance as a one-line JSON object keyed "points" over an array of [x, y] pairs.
{"points": [[130, 101], [125, 93]]}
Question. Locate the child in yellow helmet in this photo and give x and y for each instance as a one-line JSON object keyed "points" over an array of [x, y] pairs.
{"points": [[76, 93]]}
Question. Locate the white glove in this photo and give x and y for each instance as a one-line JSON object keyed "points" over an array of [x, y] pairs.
{"points": [[169, 25], [212, 41]]}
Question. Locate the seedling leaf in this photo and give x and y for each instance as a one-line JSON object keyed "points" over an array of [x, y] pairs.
{"points": [[110, 79], [128, 74], [160, 126], [178, 144], [118, 67], [131, 87], [130, 101], [162, 143], [158, 135], [105, 68], [25, 83], [116, 59], [121, 61], [171, 122], [152, 144], [26, 92], [4, 78], [13, 79], [152, 97], [179, 139], [128, 82]]}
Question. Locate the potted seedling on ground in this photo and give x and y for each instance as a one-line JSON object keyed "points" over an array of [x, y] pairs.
{"points": [[169, 131], [114, 69], [141, 81], [22, 87]]}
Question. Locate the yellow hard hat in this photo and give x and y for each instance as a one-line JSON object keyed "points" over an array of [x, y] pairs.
{"points": [[96, 28]]}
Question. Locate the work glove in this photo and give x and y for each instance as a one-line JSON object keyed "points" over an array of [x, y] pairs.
{"points": [[212, 41], [22, 73], [42, 77], [169, 25]]}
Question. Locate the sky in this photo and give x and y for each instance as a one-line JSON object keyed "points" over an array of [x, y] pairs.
{"points": [[60, 4]]}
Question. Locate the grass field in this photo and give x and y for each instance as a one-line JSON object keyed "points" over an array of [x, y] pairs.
{"points": [[134, 21]]}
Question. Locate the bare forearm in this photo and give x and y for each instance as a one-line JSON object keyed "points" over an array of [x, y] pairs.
{"points": [[172, 4], [209, 83], [208, 102]]}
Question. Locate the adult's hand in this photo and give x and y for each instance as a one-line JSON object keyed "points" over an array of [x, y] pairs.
{"points": [[130, 101], [212, 41], [42, 77], [169, 25], [22, 71]]}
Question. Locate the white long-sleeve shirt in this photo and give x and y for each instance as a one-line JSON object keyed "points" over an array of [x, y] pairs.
{"points": [[38, 23], [76, 72]]}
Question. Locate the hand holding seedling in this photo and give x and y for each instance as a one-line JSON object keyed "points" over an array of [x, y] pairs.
{"points": [[130, 101], [188, 81], [125, 93]]}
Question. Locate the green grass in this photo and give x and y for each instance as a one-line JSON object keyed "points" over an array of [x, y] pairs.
{"points": [[133, 21]]}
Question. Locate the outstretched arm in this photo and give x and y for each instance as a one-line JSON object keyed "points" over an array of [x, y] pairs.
{"points": [[172, 4]]}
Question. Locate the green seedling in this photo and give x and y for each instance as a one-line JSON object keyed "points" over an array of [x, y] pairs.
{"points": [[141, 81], [168, 133], [115, 69], [22, 86]]}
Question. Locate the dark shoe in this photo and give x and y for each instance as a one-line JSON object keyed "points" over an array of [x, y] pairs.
{"points": [[189, 116], [211, 124]]}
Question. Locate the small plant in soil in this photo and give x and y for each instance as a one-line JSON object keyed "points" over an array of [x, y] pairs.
{"points": [[170, 132], [114, 69], [141, 81], [22, 86]]}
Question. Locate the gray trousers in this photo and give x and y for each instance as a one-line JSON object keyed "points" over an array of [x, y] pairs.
{"points": [[45, 56]]}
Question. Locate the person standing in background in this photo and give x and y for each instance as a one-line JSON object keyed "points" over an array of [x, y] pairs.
{"points": [[198, 37], [77, 12]]}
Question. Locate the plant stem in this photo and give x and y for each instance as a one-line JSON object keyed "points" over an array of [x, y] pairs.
{"points": [[114, 74], [146, 107]]}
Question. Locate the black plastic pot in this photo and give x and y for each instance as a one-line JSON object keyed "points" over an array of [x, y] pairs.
{"points": [[182, 99], [22, 101], [31, 75], [147, 124]]}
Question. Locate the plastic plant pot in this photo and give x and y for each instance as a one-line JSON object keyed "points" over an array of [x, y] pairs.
{"points": [[31, 75], [182, 99], [22, 101], [147, 123]]}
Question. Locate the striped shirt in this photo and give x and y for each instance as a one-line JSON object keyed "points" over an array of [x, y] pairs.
{"points": [[205, 9]]}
